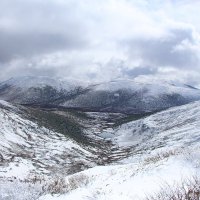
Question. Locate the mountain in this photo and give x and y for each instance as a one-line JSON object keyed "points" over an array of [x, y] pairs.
{"points": [[125, 96], [131, 96], [38, 90], [29, 146], [39, 146], [45, 154], [164, 163]]}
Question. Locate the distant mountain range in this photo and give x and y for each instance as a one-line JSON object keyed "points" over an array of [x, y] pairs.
{"points": [[125, 96]]}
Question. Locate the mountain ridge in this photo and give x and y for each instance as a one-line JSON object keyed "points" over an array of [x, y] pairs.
{"points": [[125, 96]]}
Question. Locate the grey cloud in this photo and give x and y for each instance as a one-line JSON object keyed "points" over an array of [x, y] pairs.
{"points": [[160, 51], [140, 70], [13, 45], [26, 68], [38, 27], [81, 38]]}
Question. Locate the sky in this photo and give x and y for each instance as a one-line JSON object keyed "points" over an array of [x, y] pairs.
{"points": [[101, 40]]}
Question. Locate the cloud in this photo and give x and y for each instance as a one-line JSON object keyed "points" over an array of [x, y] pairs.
{"points": [[179, 49], [140, 70], [99, 40], [29, 28], [16, 45]]}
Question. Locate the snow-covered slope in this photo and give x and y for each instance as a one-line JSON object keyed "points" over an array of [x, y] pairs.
{"points": [[140, 156], [26, 82], [179, 126], [127, 96], [27, 148], [39, 90], [32, 155], [134, 96], [132, 181], [166, 152]]}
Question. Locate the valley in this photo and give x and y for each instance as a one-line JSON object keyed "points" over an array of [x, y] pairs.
{"points": [[39, 145], [99, 100], [57, 152]]}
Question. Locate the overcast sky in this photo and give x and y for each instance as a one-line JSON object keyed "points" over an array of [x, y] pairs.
{"points": [[100, 40]]}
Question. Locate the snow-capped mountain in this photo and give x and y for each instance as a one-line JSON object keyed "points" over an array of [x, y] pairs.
{"points": [[39, 90], [134, 96], [26, 82], [127, 96]]}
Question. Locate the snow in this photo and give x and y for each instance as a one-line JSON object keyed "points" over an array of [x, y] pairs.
{"points": [[167, 152], [17, 190], [26, 148], [130, 181], [126, 96], [133, 96], [6, 104], [179, 125], [21, 169], [26, 82], [164, 147], [152, 87]]}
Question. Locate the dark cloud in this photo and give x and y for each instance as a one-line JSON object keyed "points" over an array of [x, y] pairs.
{"points": [[163, 51], [137, 71], [14, 45], [29, 28]]}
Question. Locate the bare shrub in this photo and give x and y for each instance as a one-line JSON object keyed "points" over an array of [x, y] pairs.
{"points": [[77, 180], [57, 186], [34, 178], [60, 186], [160, 156], [188, 190]]}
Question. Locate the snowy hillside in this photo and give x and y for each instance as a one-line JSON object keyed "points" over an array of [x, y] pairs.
{"points": [[26, 82], [134, 96], [132, 161], [28, 149], [37, 146], [164, 128], [166, 154], [39, 90], [126, 96]]}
